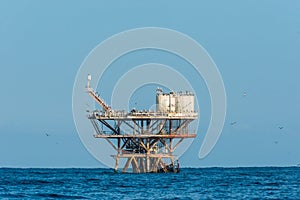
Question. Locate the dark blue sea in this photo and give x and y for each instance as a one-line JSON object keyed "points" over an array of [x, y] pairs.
{"points": [[203, 183]]}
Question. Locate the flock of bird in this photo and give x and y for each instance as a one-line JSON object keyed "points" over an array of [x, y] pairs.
{"points": [[233, 123]]}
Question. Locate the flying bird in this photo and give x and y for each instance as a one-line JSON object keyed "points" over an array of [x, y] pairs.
{"points": [[244, 94], [47, 134], [280, 127], [233, 123]]}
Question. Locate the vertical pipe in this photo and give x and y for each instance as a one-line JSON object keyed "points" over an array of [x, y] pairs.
{"points": [[169, 103], [117, 158], [117, 164], [170, 126], [173, 163], [119, 146], [148, 152], [171, 148]]}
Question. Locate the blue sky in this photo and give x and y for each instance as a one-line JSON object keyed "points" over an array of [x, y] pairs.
{"points": [[256, 46]]}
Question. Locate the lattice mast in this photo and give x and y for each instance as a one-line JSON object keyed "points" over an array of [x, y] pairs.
{"points": [[145, 139]]}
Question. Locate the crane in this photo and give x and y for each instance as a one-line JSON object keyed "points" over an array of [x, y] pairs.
{"points": [[96, 97]]}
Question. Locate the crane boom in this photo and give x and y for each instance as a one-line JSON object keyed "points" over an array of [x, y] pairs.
{"points": [[96, 97]]}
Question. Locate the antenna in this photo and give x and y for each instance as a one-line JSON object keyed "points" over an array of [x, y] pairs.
{"points": [[89, 80]]}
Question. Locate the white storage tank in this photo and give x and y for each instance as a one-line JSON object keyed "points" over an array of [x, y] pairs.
{"points": [[165, 102], [178, 107], [185, 102], [162, 103], [175, 102]]}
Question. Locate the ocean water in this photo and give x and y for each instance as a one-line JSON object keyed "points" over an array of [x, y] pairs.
{"points": [[203, 183]]}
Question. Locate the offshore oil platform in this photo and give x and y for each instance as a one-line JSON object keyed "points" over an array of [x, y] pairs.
{"points": [[146, 140]]}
